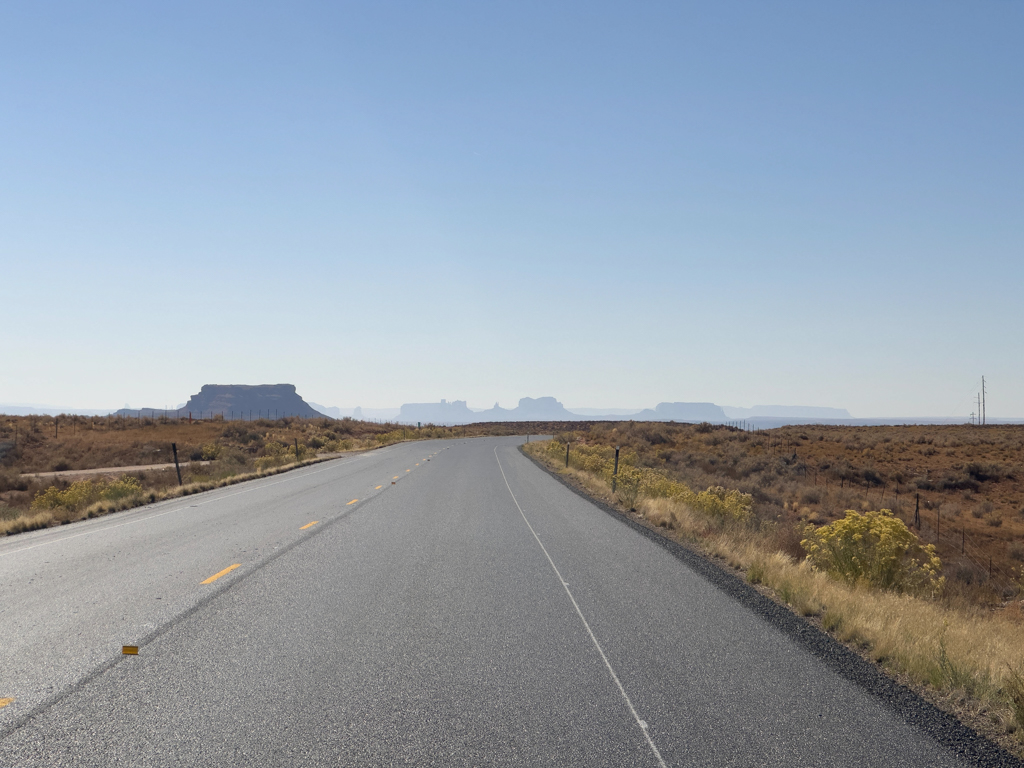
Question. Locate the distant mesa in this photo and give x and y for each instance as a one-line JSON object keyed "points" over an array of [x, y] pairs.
{"points": [[455, 412], [549, 409], [529, 409], [542, 409], [334, 413], [683, 412], [240, 401]]}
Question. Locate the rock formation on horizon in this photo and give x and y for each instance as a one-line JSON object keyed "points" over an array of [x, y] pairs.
{"points": [[240, 400], [455, 412], [683, 412]]}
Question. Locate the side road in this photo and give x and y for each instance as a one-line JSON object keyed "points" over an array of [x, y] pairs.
{"points": [[67, 473]]}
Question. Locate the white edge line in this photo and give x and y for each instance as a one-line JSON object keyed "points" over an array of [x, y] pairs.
{"points": [[176, 509], [640, 723]]}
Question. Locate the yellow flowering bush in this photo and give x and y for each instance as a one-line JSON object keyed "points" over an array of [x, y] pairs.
{"points": [[83, 493], [273, 448], [278, 454], [874, 548], [75, 496], [723, 503], [126, 486], [394, 436], [590, 458], [634, 482], [629, 483]]}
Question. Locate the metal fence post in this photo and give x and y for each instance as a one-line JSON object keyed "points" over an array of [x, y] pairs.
{"points": [[174, 447], [615, 473]]}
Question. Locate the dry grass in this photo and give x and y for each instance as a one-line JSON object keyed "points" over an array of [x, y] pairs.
{"points": [[87, 443], [51, 518], [965, 658], [236, 450], [970, 482], [24, 523]]}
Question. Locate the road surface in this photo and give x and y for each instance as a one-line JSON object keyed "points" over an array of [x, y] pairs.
{"points": [[435, 603]]}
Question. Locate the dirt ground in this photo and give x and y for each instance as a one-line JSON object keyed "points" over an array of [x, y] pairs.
{"points": [[960, 487]]}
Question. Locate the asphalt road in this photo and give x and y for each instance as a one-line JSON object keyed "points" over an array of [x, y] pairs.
{"points": [[474, 612]]}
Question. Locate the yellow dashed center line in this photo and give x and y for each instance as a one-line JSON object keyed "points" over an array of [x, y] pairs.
{"points": [[408, 470], [309, 525], [378, 487], [351, 502], [225, 572], [395, 477], [5, 702]]}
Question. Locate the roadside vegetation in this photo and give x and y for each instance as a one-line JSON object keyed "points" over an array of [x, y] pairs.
{"points": [[211, 453], [800, 513]]}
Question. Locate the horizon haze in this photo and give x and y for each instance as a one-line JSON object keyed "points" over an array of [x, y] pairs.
{"points": [[244, 401]]}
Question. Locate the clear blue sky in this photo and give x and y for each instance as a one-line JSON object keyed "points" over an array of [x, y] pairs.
{"points": [[758, 202]]}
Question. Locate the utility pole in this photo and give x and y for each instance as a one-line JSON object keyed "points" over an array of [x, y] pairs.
{"points": [[982, 399]]}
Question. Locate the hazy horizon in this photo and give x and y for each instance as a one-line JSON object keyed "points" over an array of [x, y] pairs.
{"points": [[581, 410]]}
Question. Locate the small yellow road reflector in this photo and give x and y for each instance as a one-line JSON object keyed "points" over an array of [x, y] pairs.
{"points": [[130, 650], [225, 572], [309, 525], [351, 502], [5, 702], [378, 487]]}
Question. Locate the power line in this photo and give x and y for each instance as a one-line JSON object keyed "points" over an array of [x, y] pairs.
{"points": [[967, 396]]}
